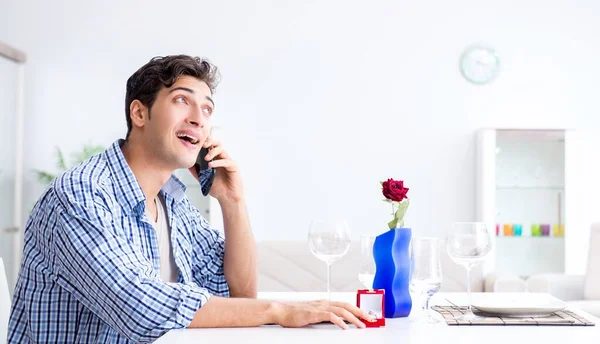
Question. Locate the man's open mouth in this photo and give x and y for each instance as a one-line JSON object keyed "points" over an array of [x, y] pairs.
{"points": [[186, 137]]}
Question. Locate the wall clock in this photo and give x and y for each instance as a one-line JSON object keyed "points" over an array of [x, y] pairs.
{"points": [[479, 64]]}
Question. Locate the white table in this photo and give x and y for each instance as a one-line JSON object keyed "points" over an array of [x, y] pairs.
{"points": [[400, 330]]}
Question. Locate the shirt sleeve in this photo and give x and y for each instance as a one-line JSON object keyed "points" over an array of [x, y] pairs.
{"points": [[210, 253], [109, 275]]}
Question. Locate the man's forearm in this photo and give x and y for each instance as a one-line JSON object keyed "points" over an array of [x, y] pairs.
{"points": [[240, 251], [239, 312], [244, 312]]}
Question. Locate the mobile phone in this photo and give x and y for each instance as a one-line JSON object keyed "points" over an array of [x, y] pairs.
{"points": [[206, 175]]}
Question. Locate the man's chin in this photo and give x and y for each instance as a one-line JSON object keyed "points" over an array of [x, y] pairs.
{"points": [[188, 164], [184, 163]]}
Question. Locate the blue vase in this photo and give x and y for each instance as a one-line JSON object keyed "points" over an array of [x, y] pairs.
{"points": [[392, 270]]}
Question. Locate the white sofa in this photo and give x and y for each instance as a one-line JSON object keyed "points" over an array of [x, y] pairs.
{"points": [[290, 266], [580, 291]]}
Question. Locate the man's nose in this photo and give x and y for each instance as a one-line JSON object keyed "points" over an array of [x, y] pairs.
{"points": [[196, 119]]}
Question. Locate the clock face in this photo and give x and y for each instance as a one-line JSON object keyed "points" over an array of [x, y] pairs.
{"points": [[479, 64]]}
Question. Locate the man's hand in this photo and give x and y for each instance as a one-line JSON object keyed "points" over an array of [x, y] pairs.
{"points": [[299, 314], [227, 186], [239, 261]]}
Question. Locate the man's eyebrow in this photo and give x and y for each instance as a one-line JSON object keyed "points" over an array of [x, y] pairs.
{"points": [[182, 89], [210, 100], [189, 90]]}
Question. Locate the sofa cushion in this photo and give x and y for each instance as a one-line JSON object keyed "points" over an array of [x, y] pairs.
{"points": [[591, 288], [290, 266], [286, 266]]}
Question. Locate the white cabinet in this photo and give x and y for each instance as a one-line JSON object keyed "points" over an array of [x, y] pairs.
{"points": [[523, 195]]}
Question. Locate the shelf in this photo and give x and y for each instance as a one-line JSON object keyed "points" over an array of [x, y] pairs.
{"points": [[549, 187], [531, 237]]}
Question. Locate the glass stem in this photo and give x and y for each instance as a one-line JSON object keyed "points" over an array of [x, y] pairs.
{"points": [[469, 310], [329, 281], [425, 304]]}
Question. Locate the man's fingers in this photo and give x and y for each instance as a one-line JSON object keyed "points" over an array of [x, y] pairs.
{"points": [[215, 149], [215, 152], [353, 309], [329, 316], [211, 142], [342, 305], [227, 163], [344, 313], [334, 312]]}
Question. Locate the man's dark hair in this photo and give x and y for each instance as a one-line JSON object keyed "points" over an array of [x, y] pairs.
{"points": [[145, 83]]}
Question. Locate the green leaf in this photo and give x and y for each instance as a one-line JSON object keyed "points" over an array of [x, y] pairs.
{"points": [[398, 221], [87, 151], [44, 177], [91, 150], [60, 160], [402, 207]]}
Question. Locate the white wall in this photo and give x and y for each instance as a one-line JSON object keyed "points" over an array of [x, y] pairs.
{"points": [[320, 100]]}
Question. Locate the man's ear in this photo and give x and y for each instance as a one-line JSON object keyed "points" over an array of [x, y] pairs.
{"points": [[138, 113]]}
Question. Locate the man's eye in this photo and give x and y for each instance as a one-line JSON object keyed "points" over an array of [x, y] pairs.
{"points": [[180, 100], [208, 111]]}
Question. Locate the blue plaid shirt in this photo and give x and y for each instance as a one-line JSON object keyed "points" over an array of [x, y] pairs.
{"points": [[90, 269]]}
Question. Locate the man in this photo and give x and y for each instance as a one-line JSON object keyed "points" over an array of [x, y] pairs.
{"points": [[114, 251]]}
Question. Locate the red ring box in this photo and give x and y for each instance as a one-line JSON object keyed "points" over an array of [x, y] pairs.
{"points": [[372, 301]]}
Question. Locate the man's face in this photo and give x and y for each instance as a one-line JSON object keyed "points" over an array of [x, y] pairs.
{"points": [[179, 122]]}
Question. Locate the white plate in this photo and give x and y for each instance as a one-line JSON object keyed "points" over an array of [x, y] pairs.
{"points": [[518, 304]]}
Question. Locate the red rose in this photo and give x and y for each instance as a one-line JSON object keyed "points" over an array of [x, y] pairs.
{"points": [[394, 190]]}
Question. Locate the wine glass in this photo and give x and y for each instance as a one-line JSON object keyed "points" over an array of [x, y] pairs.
{"points": [[468, 244], [426, 273], [366, 269], [329, 240]]}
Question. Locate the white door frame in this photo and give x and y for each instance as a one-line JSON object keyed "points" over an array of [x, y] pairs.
{"points": [[576, 222], [18, 57]]}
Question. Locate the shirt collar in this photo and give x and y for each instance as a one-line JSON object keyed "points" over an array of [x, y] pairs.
{"points": [[129, 194]]}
